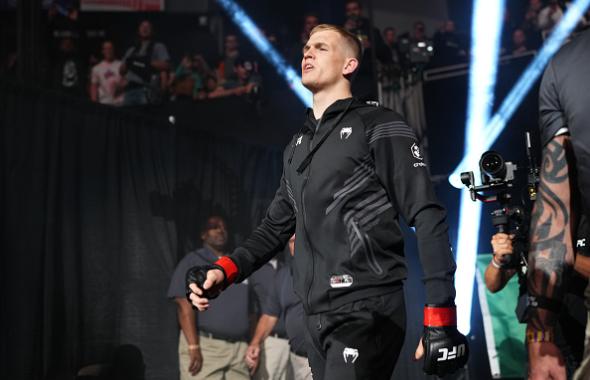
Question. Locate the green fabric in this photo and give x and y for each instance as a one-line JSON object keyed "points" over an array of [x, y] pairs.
{"points": [[507, 334]]}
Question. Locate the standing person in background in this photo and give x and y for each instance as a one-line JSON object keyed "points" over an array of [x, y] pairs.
{"points": [[226, 69], [213, 346], [364, 86], [145, 66], [348, 176], [106, 84]]}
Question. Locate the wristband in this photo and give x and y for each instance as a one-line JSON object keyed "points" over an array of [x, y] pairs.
{"points": [[495, 264], [229, 268], [192, 347], [440, 316], [538, 336]]}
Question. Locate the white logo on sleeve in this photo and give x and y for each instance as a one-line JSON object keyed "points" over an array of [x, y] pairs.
{"points": [[299, 140], [416, 151], [350, 355], [345, 133], [456, 352], [581, 243]]}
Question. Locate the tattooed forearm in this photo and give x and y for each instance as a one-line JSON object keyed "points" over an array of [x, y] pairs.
{"points": [[551, 240]]}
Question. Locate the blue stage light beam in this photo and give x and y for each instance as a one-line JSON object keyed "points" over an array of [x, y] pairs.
{"points": [[255, 35], [485, 48], [517, 94]]}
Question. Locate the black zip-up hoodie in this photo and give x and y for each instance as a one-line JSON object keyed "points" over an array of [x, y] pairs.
{"points": [[346, 180]]}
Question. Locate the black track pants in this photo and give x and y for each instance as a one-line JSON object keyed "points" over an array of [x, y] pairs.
{"points": [[360, 340]]}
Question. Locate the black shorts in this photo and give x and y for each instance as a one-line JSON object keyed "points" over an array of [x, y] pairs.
{"points": [[359, 340]]}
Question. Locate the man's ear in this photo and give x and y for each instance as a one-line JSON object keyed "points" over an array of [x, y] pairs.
{"points": [[350, 66]]}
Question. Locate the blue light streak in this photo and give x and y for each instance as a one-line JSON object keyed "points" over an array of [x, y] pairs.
{"points": [[255, 35], [517, 94], [485, 48]]}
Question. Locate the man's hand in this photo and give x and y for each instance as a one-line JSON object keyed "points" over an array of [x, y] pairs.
{"points": [[442, 346], [545, 362], [196, 360], [252, 358], [502, 248], [204, 283]]}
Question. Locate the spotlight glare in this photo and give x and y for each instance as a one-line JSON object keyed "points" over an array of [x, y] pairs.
{"points": [[515, 97], [254, 34], [485, 47]]}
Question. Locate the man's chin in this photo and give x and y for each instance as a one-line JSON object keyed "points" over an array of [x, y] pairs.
{"points": [[310, 85]]}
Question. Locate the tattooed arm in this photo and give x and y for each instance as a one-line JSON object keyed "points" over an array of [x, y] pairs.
{"points": [[551, 251], [550, 256]]}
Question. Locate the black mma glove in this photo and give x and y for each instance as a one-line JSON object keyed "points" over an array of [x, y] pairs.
{"points": [[197, 275], [445, 348]]}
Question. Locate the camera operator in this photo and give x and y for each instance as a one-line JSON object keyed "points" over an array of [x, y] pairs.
{"points": [[569, 333], [146, 66]]}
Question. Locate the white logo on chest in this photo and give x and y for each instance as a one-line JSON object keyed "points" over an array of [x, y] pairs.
{"points": [[299, 139], [345, 133], [350, 355]]}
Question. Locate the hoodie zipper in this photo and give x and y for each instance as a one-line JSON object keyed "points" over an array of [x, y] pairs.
{"points": [[303, 186]]}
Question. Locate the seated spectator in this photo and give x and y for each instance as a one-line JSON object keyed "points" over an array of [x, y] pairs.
{"points": [[106, 83], [146, 68], [225, 69], [186, 81], [549, 17], [519, 45]]}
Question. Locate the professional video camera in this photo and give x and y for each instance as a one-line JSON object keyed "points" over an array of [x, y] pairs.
{"points": [[497, 183], [416, 52]]}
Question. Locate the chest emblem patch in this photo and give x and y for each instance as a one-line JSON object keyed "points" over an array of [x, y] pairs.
{"points": [[345, 133]]}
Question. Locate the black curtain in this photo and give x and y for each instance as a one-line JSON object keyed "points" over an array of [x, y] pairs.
{"points": [[98, 205]]}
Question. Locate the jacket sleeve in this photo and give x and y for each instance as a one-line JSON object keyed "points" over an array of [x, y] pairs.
{"points": [[269, 238], [400, 166]]}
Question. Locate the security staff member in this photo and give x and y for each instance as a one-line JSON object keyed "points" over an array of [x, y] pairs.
{"points": [[214, 346], [347, 178]]}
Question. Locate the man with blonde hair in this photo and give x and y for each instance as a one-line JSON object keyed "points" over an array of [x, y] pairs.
{"points": [[348, 176]]}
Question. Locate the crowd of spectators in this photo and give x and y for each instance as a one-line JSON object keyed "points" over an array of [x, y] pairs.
{"points": [[147, 73]]}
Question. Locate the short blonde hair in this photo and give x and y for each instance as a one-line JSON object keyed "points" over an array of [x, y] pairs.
{"points": [[353, 42]]}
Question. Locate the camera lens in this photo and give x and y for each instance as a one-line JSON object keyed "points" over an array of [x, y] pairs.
{"points": [[492, 165]]}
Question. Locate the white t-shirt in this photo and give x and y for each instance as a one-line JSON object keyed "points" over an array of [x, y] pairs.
{"points": [[106, 76]]}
